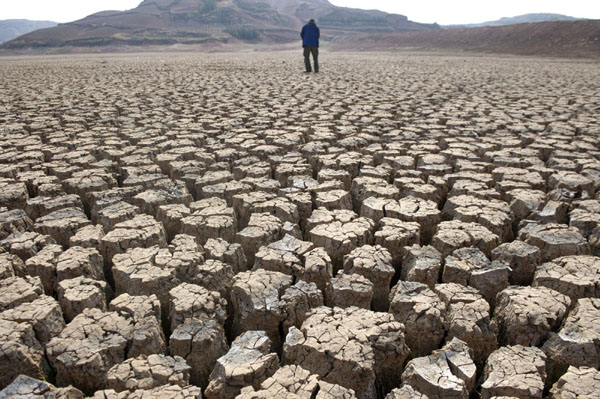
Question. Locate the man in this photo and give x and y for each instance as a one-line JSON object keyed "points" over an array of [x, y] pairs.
{"points": [[310, 41]]}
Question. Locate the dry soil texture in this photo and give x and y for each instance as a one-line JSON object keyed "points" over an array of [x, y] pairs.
{"points": [[222, 226]]}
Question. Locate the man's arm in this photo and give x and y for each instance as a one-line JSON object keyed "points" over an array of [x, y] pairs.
{"points": [[302, 32], [318, 33]]}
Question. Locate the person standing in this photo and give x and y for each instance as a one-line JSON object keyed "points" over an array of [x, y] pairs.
{"points": [[310, 41]]}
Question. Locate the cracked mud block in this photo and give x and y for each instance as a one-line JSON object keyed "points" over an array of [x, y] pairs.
{"points": [[422, 313], [355, 348], [62, 224], [284, 256], [455, 234], [413, 209], [148, 372], [335, 174], [297, 301], [26, 387], [200, 343], [554, 240], [256, 298], [303, 202], [191, 301], [495, 215], [406, 392], [574, 182], [375, 208], [210, 222], [226, 252], [364, 187], [88, 347], [334, 199], [470, 267], [294, 382], [15, 221], [162, 392], [225, 190], [346, 290], [514, 371], [585, 216], [41, 206], [594, 241], [78, 261], [283, 172], [262, 229], [87, 181], [154, 270], [25, 245], [20, 353], [422, 265], [170, 216], [102, 199], [577, 343], [527, 315], [395, 235], [43, 314], [11, 266], [577, 382], [525, 201], [142, 231], [16, 290], [150, 200], [13, 195], [249, 362], [521, 257], [245, 204], [375, 264], [318, 268], [77, 294], [574, 276], [468, 318], [144, 312], [216, 276], [212, 177], [552, 212], [87, 237], [341, 236], [43, 265], [116, 213], [447, 373]]}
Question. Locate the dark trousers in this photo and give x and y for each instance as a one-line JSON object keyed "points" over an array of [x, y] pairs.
{"points": [[308, 50]]}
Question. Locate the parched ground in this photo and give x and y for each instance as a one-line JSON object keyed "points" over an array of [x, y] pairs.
{"points": [[225, 226]]}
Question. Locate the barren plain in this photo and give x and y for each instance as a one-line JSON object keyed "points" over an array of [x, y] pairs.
{"points": [[224, 226]]}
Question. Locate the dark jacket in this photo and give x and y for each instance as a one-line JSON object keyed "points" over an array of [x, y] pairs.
{"points": [[310, 35]]}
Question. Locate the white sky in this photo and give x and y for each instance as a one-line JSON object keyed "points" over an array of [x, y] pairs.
{"points": [[444, 12]]}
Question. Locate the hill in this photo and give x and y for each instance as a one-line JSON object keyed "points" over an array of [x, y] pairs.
{"points": [[11, 28], [553, 39], [523, 19], [213, 21]]}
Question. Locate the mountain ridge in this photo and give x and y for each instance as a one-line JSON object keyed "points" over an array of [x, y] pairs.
{"points": [[13, 28], [165, 22], [520, 19]]}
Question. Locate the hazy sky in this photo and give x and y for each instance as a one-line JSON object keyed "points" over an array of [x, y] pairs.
{"points": [[440, 11]]}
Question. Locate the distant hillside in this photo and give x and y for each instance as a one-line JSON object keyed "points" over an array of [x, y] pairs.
{"points": [[554, 39], [11, 28], [523, 19], [157, 22]]}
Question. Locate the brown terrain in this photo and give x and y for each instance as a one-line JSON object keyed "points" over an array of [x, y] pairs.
{"points": [[580, 39], [222, 226]]}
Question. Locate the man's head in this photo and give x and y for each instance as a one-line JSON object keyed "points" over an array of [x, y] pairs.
{"points": [[312, 21]]}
